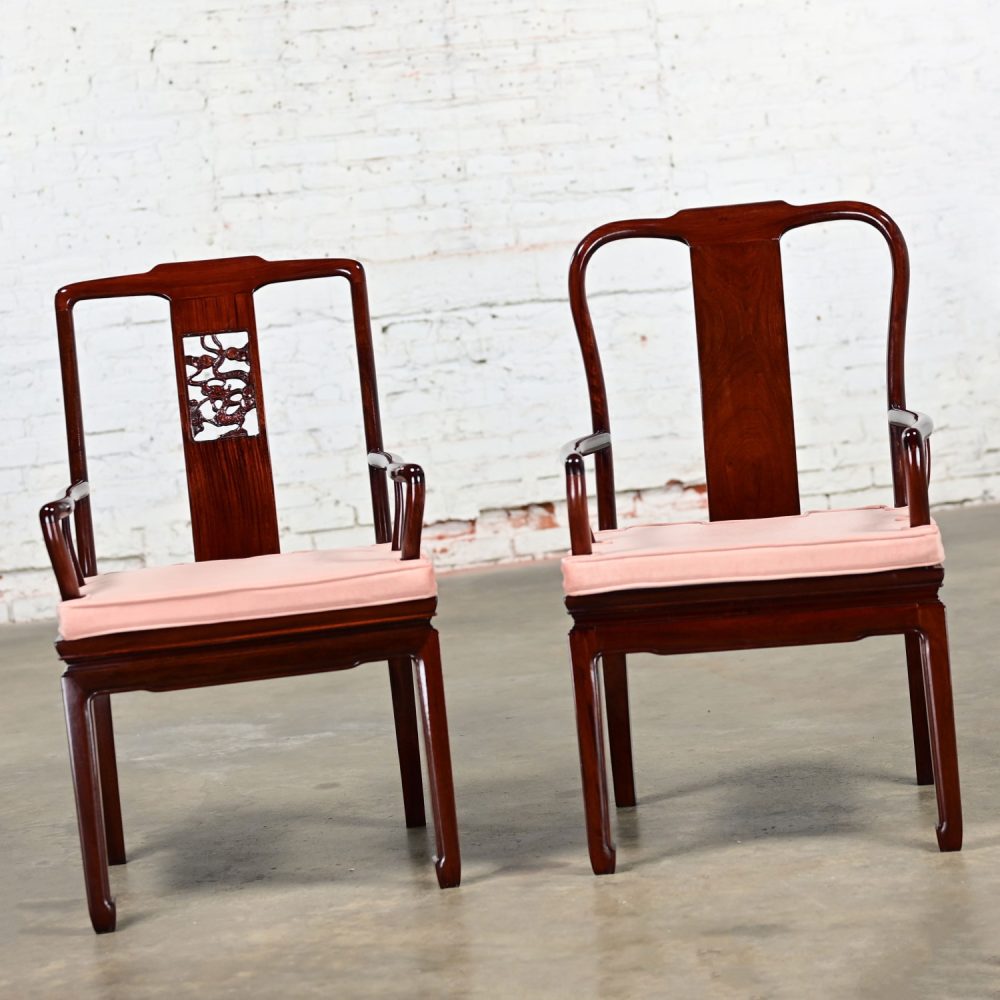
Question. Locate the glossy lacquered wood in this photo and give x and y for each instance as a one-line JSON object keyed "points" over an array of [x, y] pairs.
{"points": [[233, 516], [749, 440]]}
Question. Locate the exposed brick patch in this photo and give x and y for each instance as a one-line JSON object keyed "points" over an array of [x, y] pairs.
{"points": [[532, 517]]}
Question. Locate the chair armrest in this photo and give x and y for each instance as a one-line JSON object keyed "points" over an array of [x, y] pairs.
{"points": [[911, 418], [577, 509], [586, 445], [55, 520], [408, 513], [914, 430]]}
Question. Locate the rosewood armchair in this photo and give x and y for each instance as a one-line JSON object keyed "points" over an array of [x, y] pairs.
{"points": [[760, 572], [242, 611]]}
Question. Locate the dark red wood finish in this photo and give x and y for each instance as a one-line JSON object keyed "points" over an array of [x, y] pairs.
{"points": [[751, 471], [233, 516]]}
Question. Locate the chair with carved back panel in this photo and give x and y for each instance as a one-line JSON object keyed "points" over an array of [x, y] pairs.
{"points": [[759, 573], [242, 611]]}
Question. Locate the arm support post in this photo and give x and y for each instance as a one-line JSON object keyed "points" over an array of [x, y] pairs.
{"points": [[911, 442], [409, 493], [572, 455], [58, 535]]}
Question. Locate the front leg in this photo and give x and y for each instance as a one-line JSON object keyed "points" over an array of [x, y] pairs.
{"points": [[941, 717], [89, 808], [448, 862], [590, 734]]}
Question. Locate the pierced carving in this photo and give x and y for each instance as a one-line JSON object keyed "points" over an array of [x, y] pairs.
{"points": [[222, 401]]}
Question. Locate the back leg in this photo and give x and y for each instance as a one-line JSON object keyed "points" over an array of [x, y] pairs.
{"points": [[110, 797], [89, 810], [918, 710], [941, 717], [619, 727], [404, 712]]}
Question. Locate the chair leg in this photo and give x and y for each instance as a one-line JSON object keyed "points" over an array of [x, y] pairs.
{"points": [[619, 727], [918, 710], [590, 734], [941, 718], [404, 711], [448, 863], [105, 735], [89, 810]]}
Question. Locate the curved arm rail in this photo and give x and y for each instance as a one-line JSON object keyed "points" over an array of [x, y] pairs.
{"points": [[572, 455], [58, 535], [408, 512]]}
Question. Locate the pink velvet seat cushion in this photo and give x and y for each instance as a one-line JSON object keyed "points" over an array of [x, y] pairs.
{"points": [[237, 589], [819, 543]]}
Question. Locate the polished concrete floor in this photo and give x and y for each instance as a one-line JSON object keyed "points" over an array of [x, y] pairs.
{"points": [[780, 847]]}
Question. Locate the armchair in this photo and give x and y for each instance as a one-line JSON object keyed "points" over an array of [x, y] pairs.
{"points": [[760, 572], [243, 610]]}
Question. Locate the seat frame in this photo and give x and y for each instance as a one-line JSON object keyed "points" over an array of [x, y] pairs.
{"points": [[751, 473], [216, 297]]}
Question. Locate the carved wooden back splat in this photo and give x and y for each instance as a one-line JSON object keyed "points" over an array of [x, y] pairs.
{"points": [[743, 364], [230, 485]]}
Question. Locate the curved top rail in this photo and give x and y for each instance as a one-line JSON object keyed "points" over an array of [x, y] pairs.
{"points": [[741, 224], [196, 279]]}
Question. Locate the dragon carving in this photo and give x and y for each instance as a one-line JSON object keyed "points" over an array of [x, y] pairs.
{"points": [[225, 396]]}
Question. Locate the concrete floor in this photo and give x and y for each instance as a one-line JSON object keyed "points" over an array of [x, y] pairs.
{"points": [[780, 847]]}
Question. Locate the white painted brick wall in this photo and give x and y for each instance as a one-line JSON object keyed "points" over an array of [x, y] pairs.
{"points": [[461, 148]]}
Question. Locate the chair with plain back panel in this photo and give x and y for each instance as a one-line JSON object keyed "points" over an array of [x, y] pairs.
{"points": [[242, 611], [759, 573]]}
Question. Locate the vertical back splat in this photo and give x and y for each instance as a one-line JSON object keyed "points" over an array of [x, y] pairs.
{"points": [[746, 388], [230, 486]]}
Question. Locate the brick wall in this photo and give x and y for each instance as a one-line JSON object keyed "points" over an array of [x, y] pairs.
{"points": [[460, 149]]}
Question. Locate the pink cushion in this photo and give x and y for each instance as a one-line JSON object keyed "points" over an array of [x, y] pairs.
{"points": [[819, 543], [236, 589]]}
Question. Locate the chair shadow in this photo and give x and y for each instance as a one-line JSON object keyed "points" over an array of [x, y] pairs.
{"points": [[794, 799], [282, 846], [207, 851], [518, 821]]}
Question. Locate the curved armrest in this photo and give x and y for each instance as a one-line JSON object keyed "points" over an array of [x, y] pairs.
{"points": [[408, 514], [914, 430], [580, 535], [911, 418], [586, 445], [55, 520]]}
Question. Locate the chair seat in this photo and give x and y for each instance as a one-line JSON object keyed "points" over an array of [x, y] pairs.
{"points": [[818, 543], [239, 589]]}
